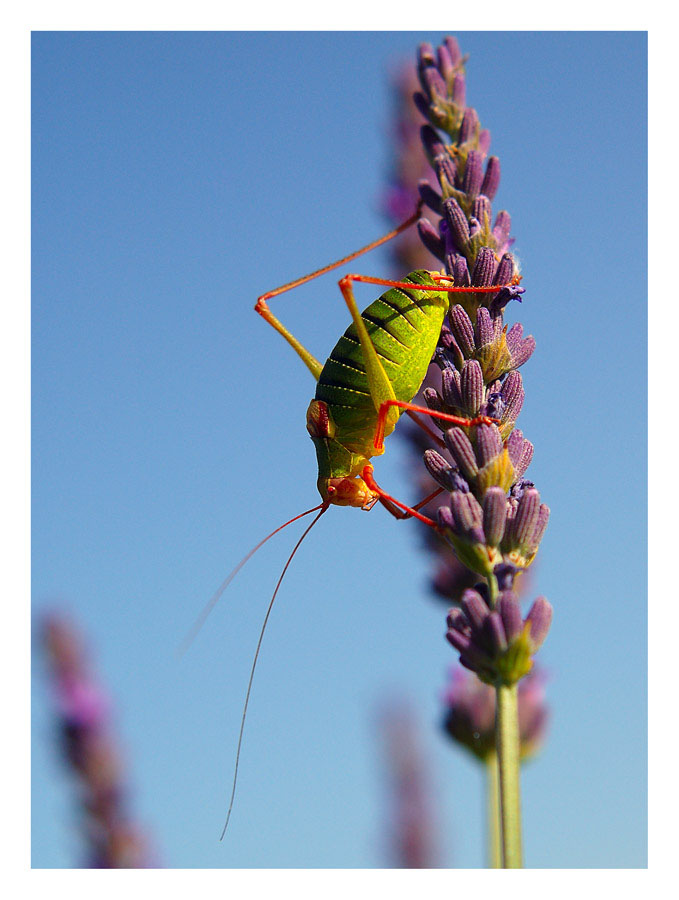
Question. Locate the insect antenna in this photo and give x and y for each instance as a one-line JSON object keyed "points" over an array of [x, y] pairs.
{"points": [[212, 602], [324, 506]]}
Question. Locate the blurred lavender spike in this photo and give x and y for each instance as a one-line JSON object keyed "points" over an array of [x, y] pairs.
{"points": [[83, 724]]}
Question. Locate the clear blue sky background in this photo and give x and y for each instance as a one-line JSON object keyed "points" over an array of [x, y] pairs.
{"points": [[175, 177]]}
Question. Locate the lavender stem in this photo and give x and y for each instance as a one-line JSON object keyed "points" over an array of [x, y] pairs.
{"points": [[493, 812], [507, 742]]}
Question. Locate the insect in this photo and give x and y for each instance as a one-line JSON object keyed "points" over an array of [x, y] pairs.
{"points": [[366, 384], [371, 376]]}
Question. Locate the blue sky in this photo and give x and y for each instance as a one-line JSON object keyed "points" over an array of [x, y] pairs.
{"points": [[176, 176]]}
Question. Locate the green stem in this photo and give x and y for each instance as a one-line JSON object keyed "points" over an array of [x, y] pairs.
{"points": [[507, 743], [493, 812]]}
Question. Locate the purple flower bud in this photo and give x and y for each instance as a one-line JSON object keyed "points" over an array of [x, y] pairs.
{"points": [[483, 212], [430, 238], [484, 142], [446, 65], [502, 228], [540, 618], [491, 180], [459, 92], [505, 270], [453, 49], [432, 399], [470, 125], [457, 222], [512, 396], [451, 389], [457, 267], [448, 346], [488, 443], [433, 145], [475, 608], [440, 469], [520, 452], [473, 174], [472, 387], [540, 526], [462, 329], [446, 171], [468, 516], [526, 516], [425, 55], [494, 634], [484, 268], [509, 609], [445, 517], [457, 620], [430, 197], [461, 642], [463, 453], [486, 329], [494, 515], [422, 103], [432, 83]]}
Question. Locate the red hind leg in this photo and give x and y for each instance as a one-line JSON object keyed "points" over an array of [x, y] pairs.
{"points": [[395, 507], [378, 440]]}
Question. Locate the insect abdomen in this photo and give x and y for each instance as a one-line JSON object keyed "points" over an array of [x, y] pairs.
{"points": [[404, 326]]}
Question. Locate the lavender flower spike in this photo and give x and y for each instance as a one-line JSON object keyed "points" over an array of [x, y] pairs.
{"points": [[469, 713], [113, 840], [497, 643]]}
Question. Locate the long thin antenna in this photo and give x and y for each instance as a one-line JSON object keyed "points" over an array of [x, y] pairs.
{"points": [[254, 665], [209, 606]]}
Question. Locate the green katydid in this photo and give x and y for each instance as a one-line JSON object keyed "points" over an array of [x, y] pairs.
{"points": [[371, 377], [367, 382]]}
